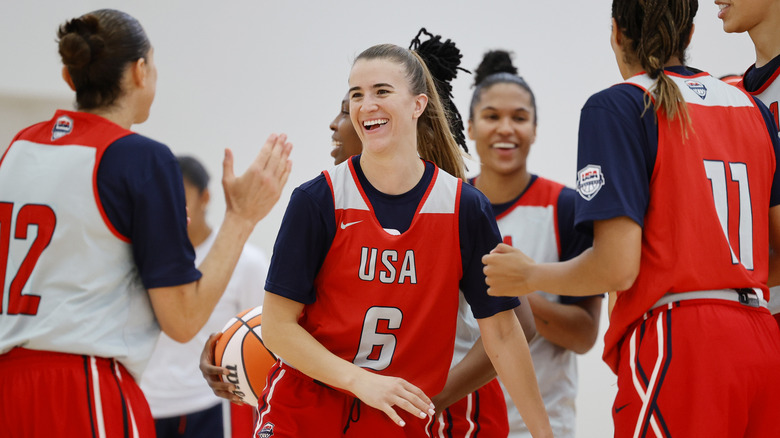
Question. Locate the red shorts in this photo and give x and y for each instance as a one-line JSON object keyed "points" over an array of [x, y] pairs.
{"points": [[293, 405], [480, 414], [702, 368], [46, 394]]}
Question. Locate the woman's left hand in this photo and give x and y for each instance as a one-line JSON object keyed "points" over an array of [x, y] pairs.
{"points": [[507, 270]]}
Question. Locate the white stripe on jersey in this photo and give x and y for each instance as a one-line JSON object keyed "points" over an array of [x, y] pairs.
{"points": [[645, 396], [714, 93], [95, 375], [260, 421]]}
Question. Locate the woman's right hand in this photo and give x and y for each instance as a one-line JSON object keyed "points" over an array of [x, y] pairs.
{"points": [[384, 392], [213, 374]]}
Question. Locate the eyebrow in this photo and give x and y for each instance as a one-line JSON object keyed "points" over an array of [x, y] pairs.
{"points": [[375, 86]]}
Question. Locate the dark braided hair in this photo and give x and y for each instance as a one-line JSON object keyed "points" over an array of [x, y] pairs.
{"points": [[497, 68], [658, 30], [96, 48], [443, 61]]}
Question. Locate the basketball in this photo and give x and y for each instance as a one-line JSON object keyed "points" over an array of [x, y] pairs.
{"points": [[240, 349]]}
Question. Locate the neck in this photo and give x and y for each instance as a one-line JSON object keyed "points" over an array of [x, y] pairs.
{"points": [[114, 114], [198, 233], [764, 37], [501, 188], [394, 174]]}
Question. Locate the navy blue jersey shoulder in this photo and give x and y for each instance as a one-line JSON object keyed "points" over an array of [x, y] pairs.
{"points": [[755, 77], [769, 120], [309, 225], [140, 187]]}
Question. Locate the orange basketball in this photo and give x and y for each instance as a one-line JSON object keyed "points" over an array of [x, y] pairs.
{"points": [[241, 350]]}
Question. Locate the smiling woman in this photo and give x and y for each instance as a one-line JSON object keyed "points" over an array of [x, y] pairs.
{"points": [[363, 289]]}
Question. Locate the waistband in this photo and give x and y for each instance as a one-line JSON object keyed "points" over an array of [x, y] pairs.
{"points": [[751, 297]]}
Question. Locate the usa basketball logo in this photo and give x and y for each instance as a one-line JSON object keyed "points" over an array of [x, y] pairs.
{"points": [[589, 181], [62, 127], [697, 87], [266, 431]]}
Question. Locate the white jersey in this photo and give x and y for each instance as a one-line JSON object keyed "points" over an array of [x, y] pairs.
{"points": [[172, 382], [70, 284], [531, 226]]}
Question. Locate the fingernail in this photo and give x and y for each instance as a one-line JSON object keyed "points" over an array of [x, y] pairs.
{"points": [[422, 414], [432, 411], [402, 423]]}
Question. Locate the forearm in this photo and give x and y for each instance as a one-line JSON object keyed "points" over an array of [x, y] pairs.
{"points": [[507, 349], [287, 339], [183, 310], [468, 375], [566, 325]]}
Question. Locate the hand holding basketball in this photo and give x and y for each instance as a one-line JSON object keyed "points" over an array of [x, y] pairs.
{"points": [[213, 374], [384, 392], [507, 271]]}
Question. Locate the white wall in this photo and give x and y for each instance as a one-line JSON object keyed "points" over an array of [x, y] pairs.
{"points": [[232, 72]]}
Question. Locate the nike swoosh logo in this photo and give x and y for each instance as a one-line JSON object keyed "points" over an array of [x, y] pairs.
{"points": [[618, 409], [349, 224]]}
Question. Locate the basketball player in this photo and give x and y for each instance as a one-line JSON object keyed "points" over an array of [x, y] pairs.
{"points": [[537, 216], [94, 255], [362, 293], [678, 181], [761, 20], [182, 406]]}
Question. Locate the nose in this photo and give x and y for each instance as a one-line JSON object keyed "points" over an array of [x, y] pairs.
{"points": [[504, 125], [369, 104], [334, 124]]}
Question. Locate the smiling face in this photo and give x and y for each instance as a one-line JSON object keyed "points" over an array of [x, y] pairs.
{"points": [[503, 128], [382, 108], [744, 15], [346, 142]]}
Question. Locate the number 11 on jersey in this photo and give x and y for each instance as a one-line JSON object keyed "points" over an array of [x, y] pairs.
{"points": [[716, 173]]}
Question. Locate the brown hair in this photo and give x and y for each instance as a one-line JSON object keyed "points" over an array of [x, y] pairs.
{"points": [[434, 138], [96, 48], [658, 30]]}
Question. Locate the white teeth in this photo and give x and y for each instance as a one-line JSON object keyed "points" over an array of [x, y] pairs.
{"points": [[336, 143], [368, 123], [504, 145], [722, 7]]}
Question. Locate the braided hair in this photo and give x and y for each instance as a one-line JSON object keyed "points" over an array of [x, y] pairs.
{"points": [[658, 30], [497, 68], [443, 61]]}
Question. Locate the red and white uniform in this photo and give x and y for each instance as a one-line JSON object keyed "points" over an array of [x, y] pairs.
{"points": [[701, 364], [532, 226], [69, 285], [401, 279]]}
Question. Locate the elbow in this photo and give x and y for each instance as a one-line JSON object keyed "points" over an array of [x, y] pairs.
{"points": [[622, 277], [180, 334], [585, 343]]}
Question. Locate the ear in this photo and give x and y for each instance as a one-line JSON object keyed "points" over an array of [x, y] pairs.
{"points": [[420, 102], [470, 130], [205, 197], [66, 77], [140, 72], [616, 38]]}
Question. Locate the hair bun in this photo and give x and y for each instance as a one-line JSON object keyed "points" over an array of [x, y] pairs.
{"points": [[494, 61], [79, 42]]}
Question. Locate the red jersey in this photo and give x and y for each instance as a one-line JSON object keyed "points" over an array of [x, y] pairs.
{"points": [[377, 290], [706, 225]]}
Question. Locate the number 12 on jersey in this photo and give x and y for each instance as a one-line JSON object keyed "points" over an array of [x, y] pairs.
{"points": [[41, 216], [716, 173]]}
